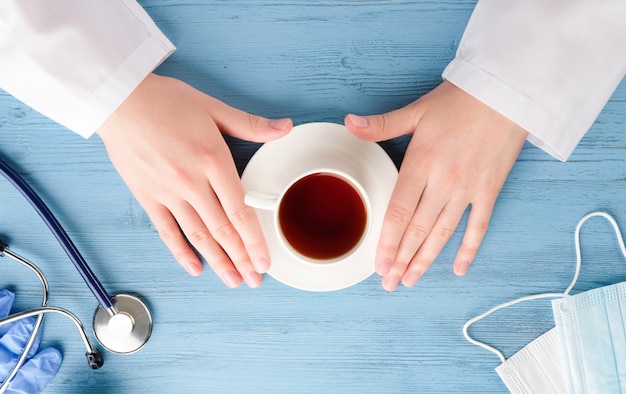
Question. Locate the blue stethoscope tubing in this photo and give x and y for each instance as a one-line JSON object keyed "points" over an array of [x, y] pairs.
{"points": [[104, 299], [94, 358], [122, 323]]}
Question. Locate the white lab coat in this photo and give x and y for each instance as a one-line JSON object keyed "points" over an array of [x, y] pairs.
{"points": [[548, 65], [77, 61]]}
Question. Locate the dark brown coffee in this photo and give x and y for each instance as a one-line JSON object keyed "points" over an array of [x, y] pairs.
{"points": [[322, 216]]}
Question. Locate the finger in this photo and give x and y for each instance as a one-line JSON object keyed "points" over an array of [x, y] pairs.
{"points": [[249, 127], [477, 225], [419, 228], [202, 239], [18, 334], [385, 126], [208, 226], [6, 302], [440, 234], [399, 213], [229, 194], [37, 372], [404, 199], [171, 235]]}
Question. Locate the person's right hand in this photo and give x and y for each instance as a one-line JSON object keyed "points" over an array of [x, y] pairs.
{"points": [[166, 142]]}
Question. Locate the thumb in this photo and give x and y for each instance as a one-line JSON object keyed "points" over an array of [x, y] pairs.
{"points": [[385, 126], [249, 127]]}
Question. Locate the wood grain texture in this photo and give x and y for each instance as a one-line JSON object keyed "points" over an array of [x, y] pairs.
{"points": [[313, 61]]}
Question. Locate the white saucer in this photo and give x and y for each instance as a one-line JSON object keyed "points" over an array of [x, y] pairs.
{"points": [[320, 145]]}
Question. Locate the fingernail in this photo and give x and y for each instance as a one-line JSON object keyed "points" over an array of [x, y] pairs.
{"points": [[359, 121], [461, 267], [261, 265], [383, 267], [253, 279], [411, 278], [231, 279], [279, 124], [390, 283], [193, 268]]}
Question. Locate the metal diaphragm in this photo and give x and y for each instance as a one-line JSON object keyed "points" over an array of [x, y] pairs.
{"points": [[128, 329]]}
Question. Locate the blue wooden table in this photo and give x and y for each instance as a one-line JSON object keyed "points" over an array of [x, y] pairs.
{"points": [[312, 61]]}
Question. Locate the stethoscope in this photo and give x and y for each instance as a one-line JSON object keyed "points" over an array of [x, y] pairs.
{"points": [[122, 323]]}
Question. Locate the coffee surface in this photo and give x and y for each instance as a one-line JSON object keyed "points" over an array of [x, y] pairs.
{"points": [[322, 216]]}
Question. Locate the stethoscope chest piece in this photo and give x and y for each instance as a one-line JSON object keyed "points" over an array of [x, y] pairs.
{"points": [[126, 330]]}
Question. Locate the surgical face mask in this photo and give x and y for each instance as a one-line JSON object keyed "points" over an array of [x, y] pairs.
{"points": [[586, 350], [592, 327], [536, 368]]}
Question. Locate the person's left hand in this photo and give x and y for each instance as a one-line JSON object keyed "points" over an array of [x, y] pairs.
{"points": [[40, 367], [460, 154]]}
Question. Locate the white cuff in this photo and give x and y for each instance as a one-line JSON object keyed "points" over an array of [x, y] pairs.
{"points": [[77, 61], [549, 66], [558, 139]]}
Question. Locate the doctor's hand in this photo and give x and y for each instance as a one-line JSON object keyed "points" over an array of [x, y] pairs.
{"points": [[40, 367], [166, 142], [460, 154]]}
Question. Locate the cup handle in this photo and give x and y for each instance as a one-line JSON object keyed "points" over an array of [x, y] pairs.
{"points": [[260, 200]]}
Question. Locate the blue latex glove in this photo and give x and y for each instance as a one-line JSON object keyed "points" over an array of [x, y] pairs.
{"points": [[40, 368]]}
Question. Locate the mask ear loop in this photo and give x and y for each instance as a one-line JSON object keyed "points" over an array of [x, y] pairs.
{"points": [[569, 288], [618, 233]]}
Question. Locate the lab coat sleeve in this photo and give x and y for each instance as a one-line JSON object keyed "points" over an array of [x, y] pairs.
{"points": [[548, 65], [77, 61]]}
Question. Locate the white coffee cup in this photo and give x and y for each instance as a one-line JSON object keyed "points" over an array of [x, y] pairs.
{"points": [[322, 216]]}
